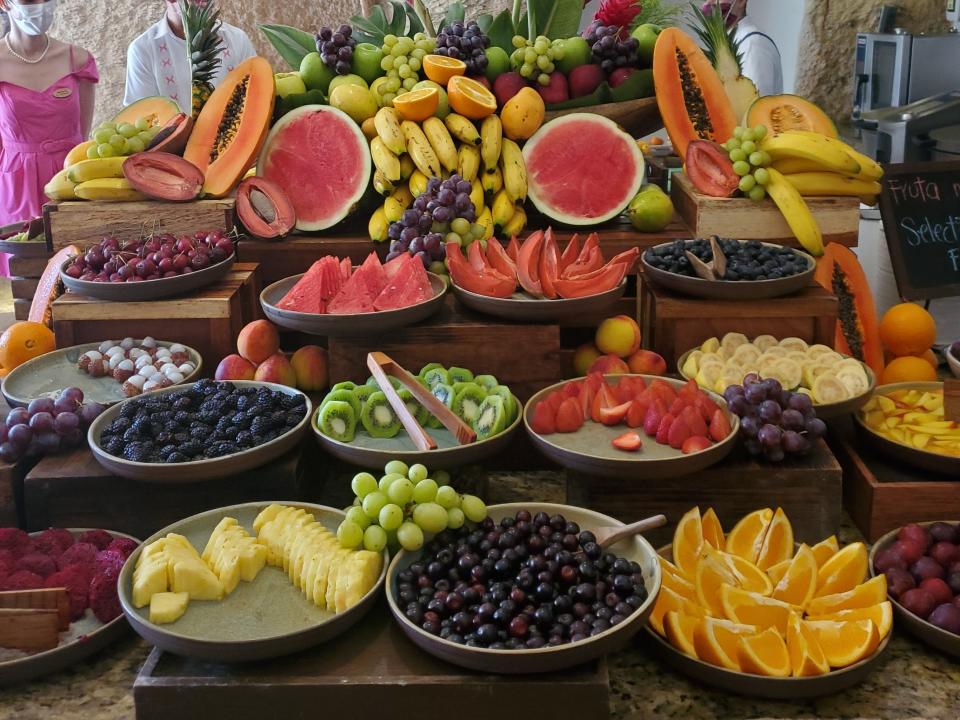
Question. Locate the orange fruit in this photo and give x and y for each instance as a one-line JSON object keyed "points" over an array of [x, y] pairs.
{"points": [[872, 592], [881, 614], [844, 571], [746, 538], [469, 98], [712, 531], [778, 541], [718, 641], [716, 569], [845, 642], [776, 572], [679, 629], [825, 549], [417, 105], [907, 368], [798, 583], [764, 654], [806, 655], [752, 608], [688, 543], [674, 579], [441, 68], [931, 357], [668, 600], [907, 329], [24, 341]]}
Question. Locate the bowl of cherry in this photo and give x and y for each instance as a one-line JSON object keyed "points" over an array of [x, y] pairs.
{"points": [[922, 564], [151, 267], [527, 590]]}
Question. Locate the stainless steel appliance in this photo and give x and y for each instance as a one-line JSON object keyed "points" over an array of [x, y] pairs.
{"points": [[915, 132]]}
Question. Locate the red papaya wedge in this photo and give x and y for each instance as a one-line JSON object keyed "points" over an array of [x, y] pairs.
{"points": [[592, 262], [513, 248], [599, 281], [499, 260], [549, 265], [528, 264], [486, 282], [476, 258], [570, 252]]}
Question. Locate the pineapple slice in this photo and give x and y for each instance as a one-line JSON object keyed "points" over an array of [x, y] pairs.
{"points": [[149, 578], [266, 515], [191, 575], [233, 554], [168, 607], [723, 50], [362, 569]]}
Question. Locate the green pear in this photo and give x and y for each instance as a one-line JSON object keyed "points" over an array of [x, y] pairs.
{"points": [[289, 83], [314, 73]]}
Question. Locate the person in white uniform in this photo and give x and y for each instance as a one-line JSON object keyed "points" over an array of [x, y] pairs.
{"points": [[157, 62], [759, 54]]}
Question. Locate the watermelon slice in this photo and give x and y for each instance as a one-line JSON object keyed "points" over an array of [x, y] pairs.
{"points": [[360, 291], [346, 269], [319, 284], [409, 285], [394, 266]]}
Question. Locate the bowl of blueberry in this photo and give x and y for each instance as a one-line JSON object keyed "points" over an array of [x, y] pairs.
{"points": [[745, 270], [201, 431], [527, 590], [952, 354]]}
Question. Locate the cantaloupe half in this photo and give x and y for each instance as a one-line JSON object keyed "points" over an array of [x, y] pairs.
{"points": [[157, 111], [780, 113]]}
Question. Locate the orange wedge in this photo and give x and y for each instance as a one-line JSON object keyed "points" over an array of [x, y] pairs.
{"points": [[750, 608], [470, 98], [417, 105], [717, 641], [777, 542], [806, 656], [746, 538], [845, 643], [712, 530], [881, 614], [844, 571], [673, 579], [872, 592], [799, 581], [825, 549], [776, 572], [679, 629], [716, 569], [668, 600], [441, 68], [688, 543], [764, 654]]}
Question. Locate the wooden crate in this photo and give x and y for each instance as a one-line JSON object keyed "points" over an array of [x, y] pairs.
{"points": [[208, 320], [808, 489], [85, 223], [882, 494], [741, 218], [672, 323], [373, 671]]}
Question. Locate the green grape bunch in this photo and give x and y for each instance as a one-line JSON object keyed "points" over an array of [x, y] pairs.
{"points": [[749, 161], [402, 61], [118, 139], [535, 60]]}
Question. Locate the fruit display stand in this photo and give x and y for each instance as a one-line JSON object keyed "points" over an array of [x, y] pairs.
{"points": [[27, 261], [638, 117], [837, 217], [208, 320]]}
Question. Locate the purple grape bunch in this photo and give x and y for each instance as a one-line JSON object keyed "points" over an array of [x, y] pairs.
{"points": [[609, 51], [47, 425], [774, 422], [466, 43], [336, 48]]}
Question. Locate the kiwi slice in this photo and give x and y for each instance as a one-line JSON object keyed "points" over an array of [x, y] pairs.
{"points": [[428, 367], [343, 395], [378, 418], [372, 382], [488, 382], [444, 393], [466, 402], [459, 374], [345, 385], [337, 420], [416, 409], [458, 386], [363, 393], [491, 418], [509, 402], [435, 376]]}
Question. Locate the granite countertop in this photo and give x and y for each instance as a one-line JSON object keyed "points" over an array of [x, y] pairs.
{"points": [[912, 681]]}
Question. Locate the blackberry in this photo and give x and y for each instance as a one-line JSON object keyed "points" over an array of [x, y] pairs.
{"points": [[200, 432], [182, 417], [278, 418], [142, 425], [259, 426], [176, 457], [128, 411], [164, 437], [119, 425], [182, 403], [244, 439], [136, 452], [231, 431], [131, 434], [258, 440], [208, 417], [181, 437], [113, 445], [256, 409], [167, 450], [244, 402], [204, 386], [191, 447], [465, 42], [292, 418], [242, 420]]}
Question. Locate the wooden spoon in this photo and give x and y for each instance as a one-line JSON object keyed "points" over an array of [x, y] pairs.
{"points": [[607, 536]]}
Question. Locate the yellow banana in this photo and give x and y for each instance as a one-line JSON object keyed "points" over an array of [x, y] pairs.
{"points": [[78, 153], [387, 122], [517, 223], [492, 182], [476, 196], [381, 184], [60, 187], [111, 167], [462, 129], [468, 162], [514, 171], [815, 184], [789, 166], [406, 167], [441, 142], [377, 227], [108, 190], [392, 209], [420, 149], [418, 183], [795, 212], [502, 209], [869, 168], [491, 137], [403, 196], [486, 219], [386, 161], [812, 147]]}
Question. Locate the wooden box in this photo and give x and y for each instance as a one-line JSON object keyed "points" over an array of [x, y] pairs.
{"points": [[672, 323], [744, 219], [882, 494], [85, 223], [208, 320], [27, 261], [372, 671], [809, 489]]}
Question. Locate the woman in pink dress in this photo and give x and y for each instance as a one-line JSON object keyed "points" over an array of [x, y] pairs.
{"points": [[46, 107]]}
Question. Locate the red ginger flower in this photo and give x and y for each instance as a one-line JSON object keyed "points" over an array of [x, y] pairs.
{"points": [[619, 13]]}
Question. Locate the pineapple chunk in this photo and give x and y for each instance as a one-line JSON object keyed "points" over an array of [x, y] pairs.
{"points": [[191, 575], [167, 607], [266, 515], [149, 578], [315, 578], [233, 554], [363, 568]]}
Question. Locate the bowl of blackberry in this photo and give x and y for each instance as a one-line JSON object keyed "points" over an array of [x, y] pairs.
{"points": [[201, 431], [746, 270]]}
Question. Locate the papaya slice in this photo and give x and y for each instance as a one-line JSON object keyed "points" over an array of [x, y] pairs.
{"points": [[599, 281], [549, 265], [499, 259], [49, 287], [487, 282], [691, 97], [513, 248], [528, 264], [858, 328], [570, 252]]}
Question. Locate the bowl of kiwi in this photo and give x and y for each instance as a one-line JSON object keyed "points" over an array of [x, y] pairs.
{"points": [[356, 423]]}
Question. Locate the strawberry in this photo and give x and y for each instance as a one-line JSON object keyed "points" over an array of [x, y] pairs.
{"points": [[679, 432], [706, 406], [677, 406], [544, 421], [616, 414], [651, 421], [636, 414], [587, 393], [719, 426], [569, 416], [603, 399], [663, 431], [664, 390], [594, 381], [695, 443], [694, 421], [690, 389], [628, 442], [572, 389], [554, 399], [623, 392]]}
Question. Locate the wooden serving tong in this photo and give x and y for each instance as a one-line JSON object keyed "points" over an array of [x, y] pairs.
{"points": [[31, 620], [382, 367], [713, 270]]}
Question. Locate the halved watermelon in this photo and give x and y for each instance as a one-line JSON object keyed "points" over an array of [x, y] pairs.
{"points": [[582, 169], [321, 160]]}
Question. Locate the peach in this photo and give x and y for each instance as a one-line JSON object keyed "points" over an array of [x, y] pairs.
{"points": [[647, 362], [609, 365], [276, 369], [310, 365], [258, 341], [619, 335], [583, 358], [234, 367]]}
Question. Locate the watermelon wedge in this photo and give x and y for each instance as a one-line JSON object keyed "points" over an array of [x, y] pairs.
{"points": [[319, 284], [410, 285], [360, 291]]}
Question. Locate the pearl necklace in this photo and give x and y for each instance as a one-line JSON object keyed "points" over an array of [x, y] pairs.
{"points": [[22, 58]]}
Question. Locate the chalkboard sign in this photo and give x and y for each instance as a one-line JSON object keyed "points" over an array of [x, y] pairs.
{"points": [[920, 206]]}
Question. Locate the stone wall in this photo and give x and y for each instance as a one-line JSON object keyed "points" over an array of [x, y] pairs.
{"points": [[827, 44]]}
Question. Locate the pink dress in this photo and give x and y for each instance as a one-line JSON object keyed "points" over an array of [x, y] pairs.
{"points": [[37, 130]]}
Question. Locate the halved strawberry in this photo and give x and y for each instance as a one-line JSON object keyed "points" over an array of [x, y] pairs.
{"points": [[690, 388], [544, 420], [594, 381], [695, 443], [663, 390], [587, 394], [677, 406], [663, 432], [616, 414], [694, 421], [720, 426], [569, 416], [651, 420], [623, 392], [679, 432], [572, 389], [554, 399], [628, 442], [707, 407], [637, 413]]}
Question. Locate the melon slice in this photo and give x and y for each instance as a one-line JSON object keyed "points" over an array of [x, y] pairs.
{"points": [[410, 285], [320, 159], [582, 169]]}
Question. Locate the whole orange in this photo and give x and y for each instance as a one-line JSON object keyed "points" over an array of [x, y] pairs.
{"points": [[907, 329], [907, 369], [24, 341], [931, 357]]}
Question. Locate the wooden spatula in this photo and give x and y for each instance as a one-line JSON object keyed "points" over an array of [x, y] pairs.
{"points": [[607, 536]]}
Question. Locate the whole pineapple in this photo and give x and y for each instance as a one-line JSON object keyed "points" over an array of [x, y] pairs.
{"points": [[201, 30], [723, 51]]}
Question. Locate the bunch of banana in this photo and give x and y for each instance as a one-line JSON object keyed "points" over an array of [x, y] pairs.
{"points": [[99, 179], [407, 154]]}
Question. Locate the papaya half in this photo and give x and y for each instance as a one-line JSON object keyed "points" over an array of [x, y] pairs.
{"points": [[49, 287]]}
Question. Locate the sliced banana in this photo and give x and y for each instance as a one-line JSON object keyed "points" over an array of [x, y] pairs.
{"points": [[798, 357], [764, 342], [710, 359], [827, 388], [832, 357], [747, 354], [708, 375], [790, 372], [732, 340], [818, 350], [692, 364], [730, 376], [776, 351], [711, 345], [854, 381], [794, 343]]}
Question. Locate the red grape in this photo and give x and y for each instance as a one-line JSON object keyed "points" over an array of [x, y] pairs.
{"points": [[899, 581], [40, 405], [8, 453], [17, 416], [911, 551], [942, 532], [919, 602], [890, 557], [65, 422], [48, 442], [944, 553], [946, 617], [73, 393], [41, 422], [926, 567], [916, 533], [938, 588], [20, 436], [90, 411]]}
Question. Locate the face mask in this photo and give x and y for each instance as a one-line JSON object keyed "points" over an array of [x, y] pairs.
{"points": [[33, 19]]}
